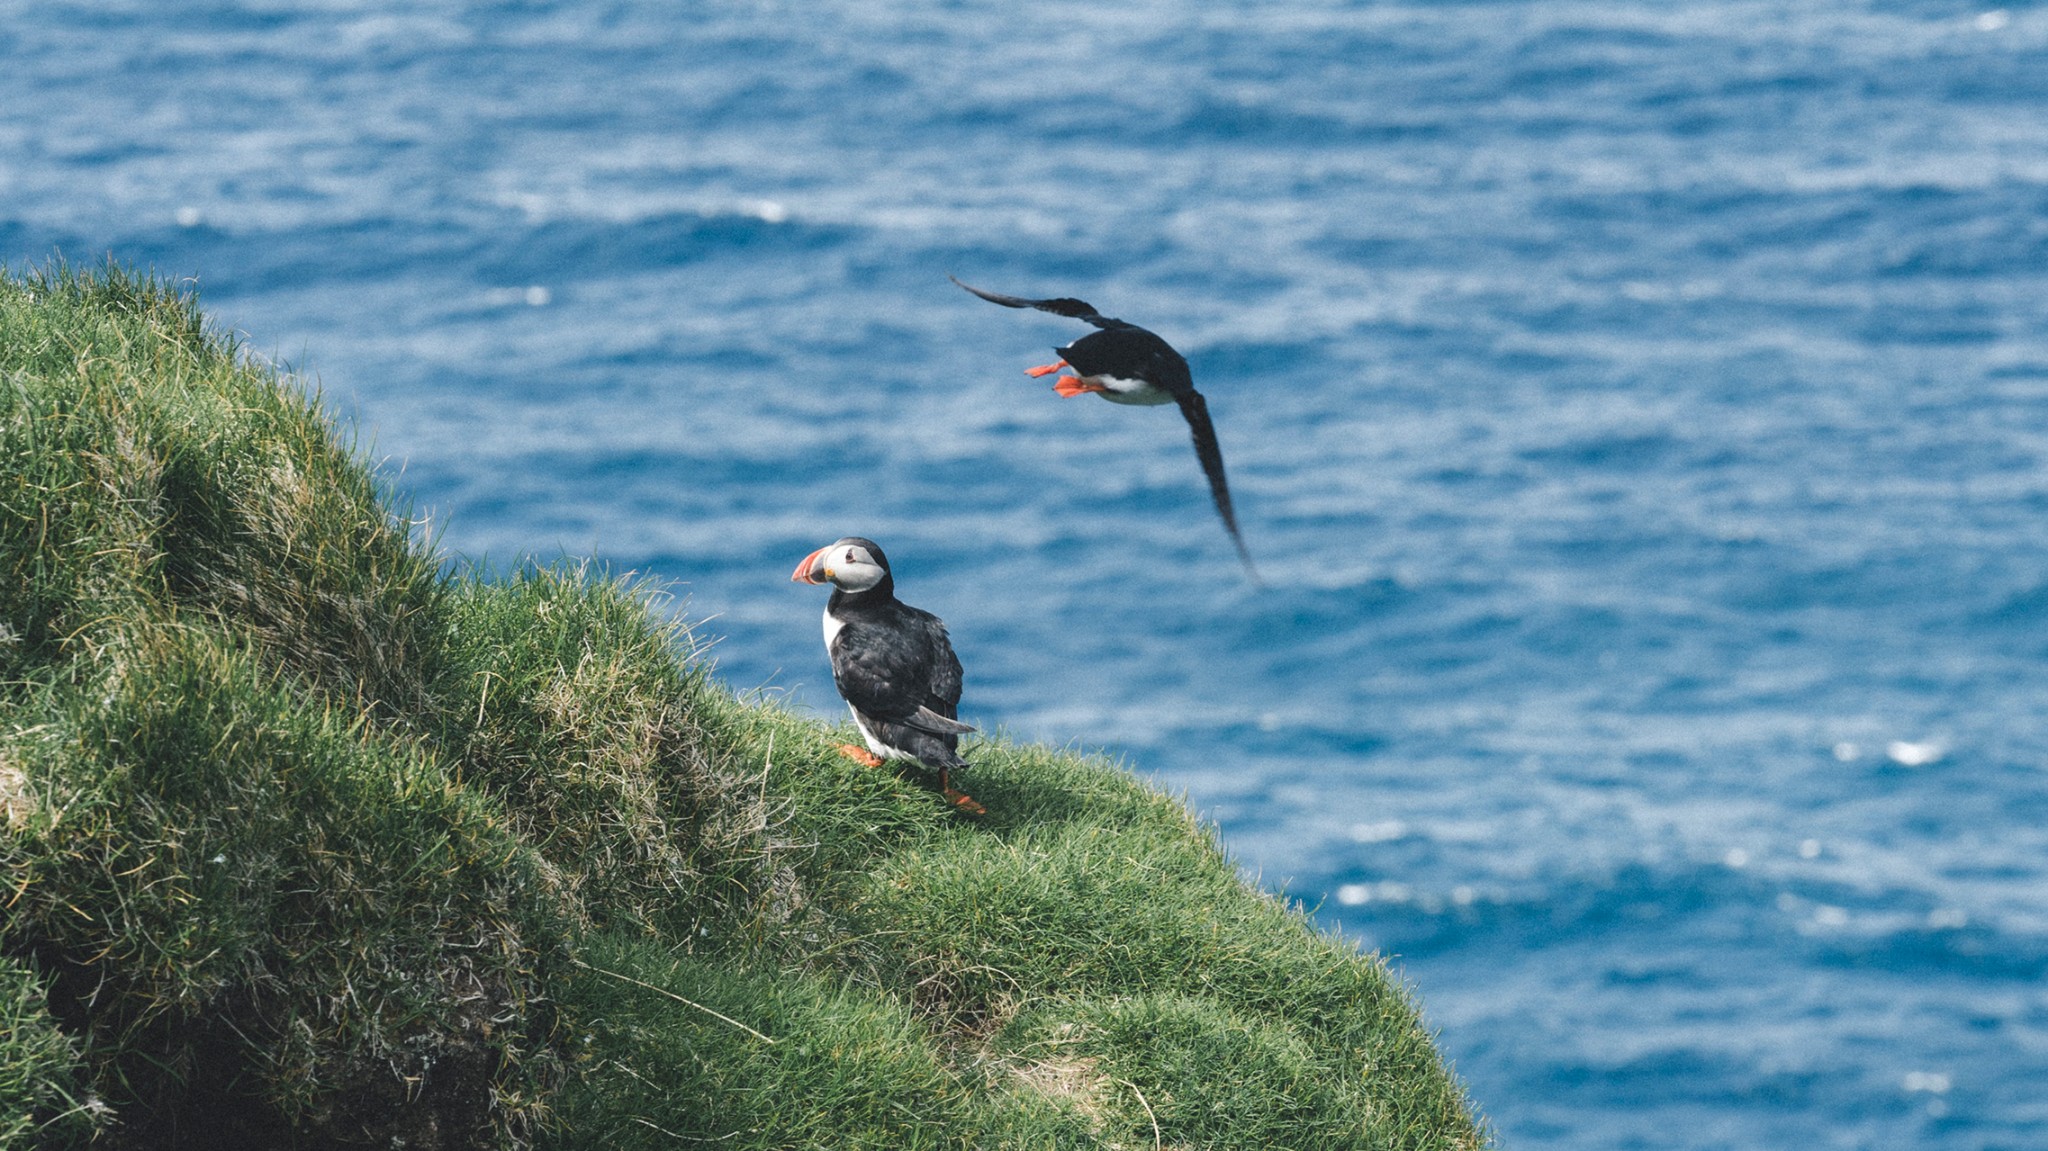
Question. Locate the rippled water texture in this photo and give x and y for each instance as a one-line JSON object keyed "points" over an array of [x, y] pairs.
{"points": [[1638, 411]]}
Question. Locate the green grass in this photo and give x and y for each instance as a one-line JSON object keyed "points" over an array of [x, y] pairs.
{"points": [[39, 1080], [315, 840]]}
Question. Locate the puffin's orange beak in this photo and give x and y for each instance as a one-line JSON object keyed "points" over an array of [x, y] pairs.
{"points": [[812, 570]]}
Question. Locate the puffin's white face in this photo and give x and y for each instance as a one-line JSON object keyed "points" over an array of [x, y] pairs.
{"points": [[850, 566], [845, 564]]}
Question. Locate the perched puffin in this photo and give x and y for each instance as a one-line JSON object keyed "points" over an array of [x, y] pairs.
{"points": [[892, 664], [1125, 364]]}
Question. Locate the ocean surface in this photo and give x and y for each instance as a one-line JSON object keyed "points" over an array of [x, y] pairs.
{"points": [[1639, 413]]}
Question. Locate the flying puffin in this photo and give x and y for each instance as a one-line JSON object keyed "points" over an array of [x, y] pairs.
{"points": [[891, 663], [1125, 364]]}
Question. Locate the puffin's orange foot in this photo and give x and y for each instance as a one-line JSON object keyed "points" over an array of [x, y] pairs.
{"points": [[1071, 386], [964, 802], [1044, 369], [860, 755]]}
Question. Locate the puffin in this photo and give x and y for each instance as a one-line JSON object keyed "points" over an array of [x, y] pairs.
{"points": [[892, 664], [1125, 364]]}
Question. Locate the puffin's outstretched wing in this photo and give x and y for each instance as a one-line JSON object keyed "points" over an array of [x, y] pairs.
{"points": [[1196, 409], [1063, 306]]}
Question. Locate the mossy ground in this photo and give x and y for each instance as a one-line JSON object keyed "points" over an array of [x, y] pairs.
{"points": [[312, 842]]}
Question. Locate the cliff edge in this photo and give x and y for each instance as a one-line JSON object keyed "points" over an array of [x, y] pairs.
{"points": [[315, 840]]}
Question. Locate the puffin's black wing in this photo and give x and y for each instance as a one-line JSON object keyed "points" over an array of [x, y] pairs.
{"points": [[1063, 306], [1196, 409], [899, 673], [942, 689]]}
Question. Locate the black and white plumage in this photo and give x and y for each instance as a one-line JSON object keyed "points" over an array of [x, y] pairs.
{"points": [[1125, 364], [891, 662]]}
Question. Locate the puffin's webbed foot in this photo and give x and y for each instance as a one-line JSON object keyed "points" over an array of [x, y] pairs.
{"points": [[958, 798], [860, 755], [963, 801]]}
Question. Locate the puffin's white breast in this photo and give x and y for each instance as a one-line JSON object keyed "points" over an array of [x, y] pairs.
{"points": [[1123, 391], [833, 625]]}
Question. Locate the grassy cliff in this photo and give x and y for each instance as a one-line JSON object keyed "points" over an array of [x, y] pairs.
{"points": [[309, 843]]}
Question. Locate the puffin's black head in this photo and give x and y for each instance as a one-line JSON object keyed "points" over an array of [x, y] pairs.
{"points": [[853, 564]]}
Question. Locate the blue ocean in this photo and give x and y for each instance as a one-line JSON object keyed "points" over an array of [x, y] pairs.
{"points": [[1638, 412]]}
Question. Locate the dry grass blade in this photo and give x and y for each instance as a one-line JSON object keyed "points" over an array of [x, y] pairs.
{"points": [[679, 999], [1157, 1142]]}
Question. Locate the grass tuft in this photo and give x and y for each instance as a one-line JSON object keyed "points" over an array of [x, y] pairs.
{"points": [[314, 840], [41, 1103], [563, 698]]}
